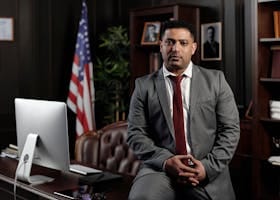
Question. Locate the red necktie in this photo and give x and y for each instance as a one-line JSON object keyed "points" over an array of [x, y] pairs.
{"points": [[178, 116]]}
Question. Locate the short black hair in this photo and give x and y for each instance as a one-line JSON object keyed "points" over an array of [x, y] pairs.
{"points": [[176, 24]]}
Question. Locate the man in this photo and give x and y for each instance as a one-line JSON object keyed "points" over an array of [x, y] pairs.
{"points": [[210, 123], [211, 47]]}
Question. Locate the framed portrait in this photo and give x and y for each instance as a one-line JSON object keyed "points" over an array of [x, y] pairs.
{"points": [[211, 41], [6, 29], [150, 35]]}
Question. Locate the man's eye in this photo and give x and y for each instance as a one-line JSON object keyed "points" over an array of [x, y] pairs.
{"points": [[169, 42], [184, 43]]}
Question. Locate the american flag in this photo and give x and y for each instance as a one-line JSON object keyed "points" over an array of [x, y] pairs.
{"points": [[81, 89]]}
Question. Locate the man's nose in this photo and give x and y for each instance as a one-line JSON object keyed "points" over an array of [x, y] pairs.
{"points": [[175, 46]]}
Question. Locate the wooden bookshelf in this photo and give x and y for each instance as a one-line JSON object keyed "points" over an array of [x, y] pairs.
{"points": [[140, 54], [265, 176]]}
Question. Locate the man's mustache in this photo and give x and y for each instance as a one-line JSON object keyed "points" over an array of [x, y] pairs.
{"points": [[173, 56]]}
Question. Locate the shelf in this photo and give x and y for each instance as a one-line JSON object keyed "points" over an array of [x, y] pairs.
{"points": [[267, 1], [272, 86], [270, 80], [269, 120], [275, 165], [270, 40]]}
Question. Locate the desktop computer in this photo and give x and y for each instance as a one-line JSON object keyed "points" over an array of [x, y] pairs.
{"points": [[42, 137]]}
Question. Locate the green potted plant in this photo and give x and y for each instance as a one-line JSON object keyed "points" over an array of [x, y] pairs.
{"points": [[112, 75]]}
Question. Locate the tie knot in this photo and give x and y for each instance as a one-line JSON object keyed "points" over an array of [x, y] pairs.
{"points": [[176, 79]]}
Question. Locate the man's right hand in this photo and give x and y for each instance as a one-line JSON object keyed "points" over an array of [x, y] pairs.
{"points": [[175, 166]]}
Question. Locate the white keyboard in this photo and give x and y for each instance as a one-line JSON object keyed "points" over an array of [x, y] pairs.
{"points": [[81, 169]]}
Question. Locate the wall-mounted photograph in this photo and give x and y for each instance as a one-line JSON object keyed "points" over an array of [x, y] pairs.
{"points": [[211, 41], [150, 34], [6, 29]]}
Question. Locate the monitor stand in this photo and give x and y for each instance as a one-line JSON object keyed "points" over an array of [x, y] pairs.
{"points": [[25, 162]]}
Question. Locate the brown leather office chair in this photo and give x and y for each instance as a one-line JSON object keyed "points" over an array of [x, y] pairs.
{"points": [[87, 148], [115, 154], [107, 149]]}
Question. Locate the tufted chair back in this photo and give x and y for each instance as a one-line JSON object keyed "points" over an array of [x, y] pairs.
{"points": [[107, 149], [114, 153], [87, 148]]}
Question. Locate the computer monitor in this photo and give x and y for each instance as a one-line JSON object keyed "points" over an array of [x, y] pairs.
{"points": [[42, 137]]}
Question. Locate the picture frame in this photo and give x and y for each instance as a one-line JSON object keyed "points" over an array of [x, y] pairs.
{"points": [[6, 29], [151, 32], [211, 41]]}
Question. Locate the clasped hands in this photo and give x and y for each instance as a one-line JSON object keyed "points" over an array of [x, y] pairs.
{"points": [[184, 173]]}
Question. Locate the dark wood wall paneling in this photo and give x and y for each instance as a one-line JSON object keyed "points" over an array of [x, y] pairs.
{"points": [[8, 73], [37, 64]]}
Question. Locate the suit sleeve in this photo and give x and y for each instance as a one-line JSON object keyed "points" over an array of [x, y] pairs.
{"points": [[140, 134], [227, 132]]}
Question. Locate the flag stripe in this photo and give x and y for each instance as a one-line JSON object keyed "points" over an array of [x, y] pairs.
{"points": [[81, 89]]}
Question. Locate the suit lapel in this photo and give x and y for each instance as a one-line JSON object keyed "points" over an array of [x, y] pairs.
{"points": [[164, 103], [194, 93]]}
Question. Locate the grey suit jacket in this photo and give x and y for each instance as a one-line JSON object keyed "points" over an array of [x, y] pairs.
{"points": [[213, 131]]}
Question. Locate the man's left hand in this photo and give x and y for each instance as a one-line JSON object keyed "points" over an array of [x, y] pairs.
{"points": [[200, 175]]}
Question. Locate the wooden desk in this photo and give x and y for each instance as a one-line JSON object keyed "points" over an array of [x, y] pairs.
{"points": [[118, 190]]}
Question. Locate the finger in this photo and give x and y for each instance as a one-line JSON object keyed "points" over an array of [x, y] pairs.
{"points": [[192, 159], [194, 184], [188, 173], [190, 156], [187, 169], [183, 164], [188, 162], [193, 181], [181, 157]]}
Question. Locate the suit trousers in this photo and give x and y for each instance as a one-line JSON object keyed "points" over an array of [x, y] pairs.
{"points": [[158, 185]]}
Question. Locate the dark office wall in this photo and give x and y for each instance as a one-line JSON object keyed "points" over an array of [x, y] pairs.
{"points": [[37, 64], [34, 65]]}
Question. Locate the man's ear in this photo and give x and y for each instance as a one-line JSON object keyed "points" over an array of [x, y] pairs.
{"points": [[160, 45], [194, 47]]}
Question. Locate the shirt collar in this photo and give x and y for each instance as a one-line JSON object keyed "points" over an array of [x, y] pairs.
{"points": [[187, 72]]}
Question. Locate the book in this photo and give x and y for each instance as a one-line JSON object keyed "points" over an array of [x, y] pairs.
{"points": [[274, 160], [275, 63], [11, 151], [276, 18]]}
